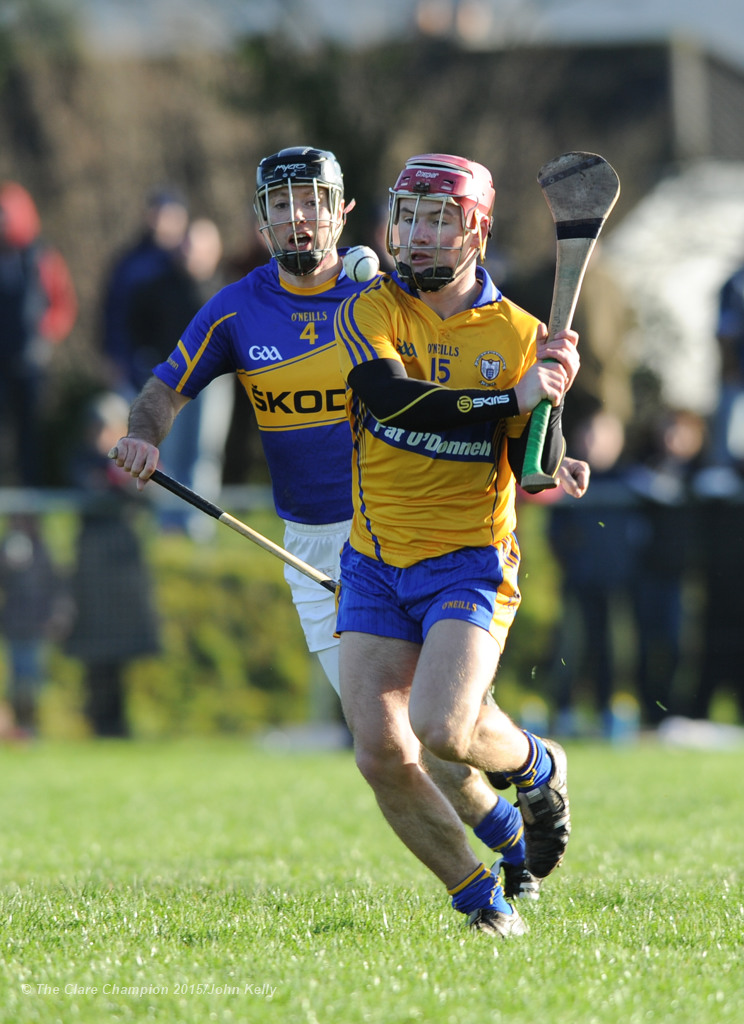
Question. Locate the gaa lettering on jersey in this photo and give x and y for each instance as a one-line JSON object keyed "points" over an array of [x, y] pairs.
{"points": [[405, 348], [306, 403], [265, 353], [490, 365]]}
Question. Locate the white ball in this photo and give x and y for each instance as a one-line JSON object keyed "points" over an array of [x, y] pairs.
{"points": [[361, 263]]}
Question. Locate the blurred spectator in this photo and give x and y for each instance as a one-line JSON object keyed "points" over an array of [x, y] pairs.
{"points": [[159, 310], [719, 488], [662, 479], [728, 421], [32, 613], [149, 257], [721, 551], [38, 307], [114, 615], [243, 451], [595, 542]]}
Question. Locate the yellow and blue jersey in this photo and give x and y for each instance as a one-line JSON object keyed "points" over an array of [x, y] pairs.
{"points": [[422, 493], [279, 341]]}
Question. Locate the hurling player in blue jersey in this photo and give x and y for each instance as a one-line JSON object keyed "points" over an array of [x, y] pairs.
{"points": [[274, 329]]}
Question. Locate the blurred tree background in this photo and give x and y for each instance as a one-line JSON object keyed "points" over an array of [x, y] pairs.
{"points": [[90, 134]]}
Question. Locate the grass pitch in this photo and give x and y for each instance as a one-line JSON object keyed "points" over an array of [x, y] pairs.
{"points": [[211, 881]]}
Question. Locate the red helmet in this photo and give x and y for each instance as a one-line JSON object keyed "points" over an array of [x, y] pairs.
{"points": [[438, 175], [449, 179]]}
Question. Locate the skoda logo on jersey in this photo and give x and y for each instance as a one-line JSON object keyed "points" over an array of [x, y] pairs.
{"points": [[406, 349], [490, 365], [264, 353]]}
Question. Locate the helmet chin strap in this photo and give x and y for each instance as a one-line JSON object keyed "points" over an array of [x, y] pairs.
{"points": [[433, 279], [428, 280], [300, 264]]}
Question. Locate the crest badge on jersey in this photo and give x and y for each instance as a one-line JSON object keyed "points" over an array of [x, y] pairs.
{"points": [[490, 365]]}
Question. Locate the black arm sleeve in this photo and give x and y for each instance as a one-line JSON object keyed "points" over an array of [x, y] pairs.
{"points": [[553, 450], [394, 398]]}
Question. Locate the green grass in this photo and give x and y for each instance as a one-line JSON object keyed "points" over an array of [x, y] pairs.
{"points": [[237, 885]]}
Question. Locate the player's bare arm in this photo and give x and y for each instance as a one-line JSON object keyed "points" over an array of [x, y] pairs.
{"points": [[150, 419]]}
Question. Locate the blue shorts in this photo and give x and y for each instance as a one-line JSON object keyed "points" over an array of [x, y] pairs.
{"points": [[477, 585]]}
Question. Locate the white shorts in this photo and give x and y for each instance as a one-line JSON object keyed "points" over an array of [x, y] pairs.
{"points": [[319, 546]]}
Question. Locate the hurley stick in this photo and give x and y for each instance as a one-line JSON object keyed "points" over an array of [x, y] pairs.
{"points": [[217, 513], [580, 190], [208, 507]]}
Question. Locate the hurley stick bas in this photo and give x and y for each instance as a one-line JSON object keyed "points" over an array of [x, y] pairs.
{"points": [[182, 491], [208, 507], [580, 190]]}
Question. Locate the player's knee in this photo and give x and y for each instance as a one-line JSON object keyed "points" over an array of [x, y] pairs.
{"points": [[442, 740], [380, 768]]}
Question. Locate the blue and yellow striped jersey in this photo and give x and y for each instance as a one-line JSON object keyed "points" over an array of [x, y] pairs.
{"points": [[279, 341], [421, 493]]}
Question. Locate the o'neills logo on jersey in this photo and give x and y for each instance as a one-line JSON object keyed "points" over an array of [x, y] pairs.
{"points": [[490, 365], [406, 349], [265, 353], [465, 606]]}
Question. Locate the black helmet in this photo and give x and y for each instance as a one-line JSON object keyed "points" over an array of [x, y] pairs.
{"points": [[301, 165]]}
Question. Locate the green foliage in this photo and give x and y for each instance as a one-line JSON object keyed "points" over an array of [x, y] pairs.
{"points": [[211, 880], [524, 665], [50, 26], [233, 655]]}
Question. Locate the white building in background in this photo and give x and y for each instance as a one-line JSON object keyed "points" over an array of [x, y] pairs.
{"points": [[671, 253]]}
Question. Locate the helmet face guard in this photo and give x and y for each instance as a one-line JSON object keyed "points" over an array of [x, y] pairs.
{"points": [[456, 184], [289, 169]]}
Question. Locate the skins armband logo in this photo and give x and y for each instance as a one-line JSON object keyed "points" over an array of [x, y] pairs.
{"points": [[490, 365], [464, 404], [502, 398]]}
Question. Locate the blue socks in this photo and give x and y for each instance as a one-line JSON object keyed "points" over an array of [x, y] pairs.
{"points": [[536, 770], [502, 830], [481, 889]]}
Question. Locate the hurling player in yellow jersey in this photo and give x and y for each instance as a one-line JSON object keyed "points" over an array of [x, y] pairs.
{"points": [[442, 373], [274, 328]]}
